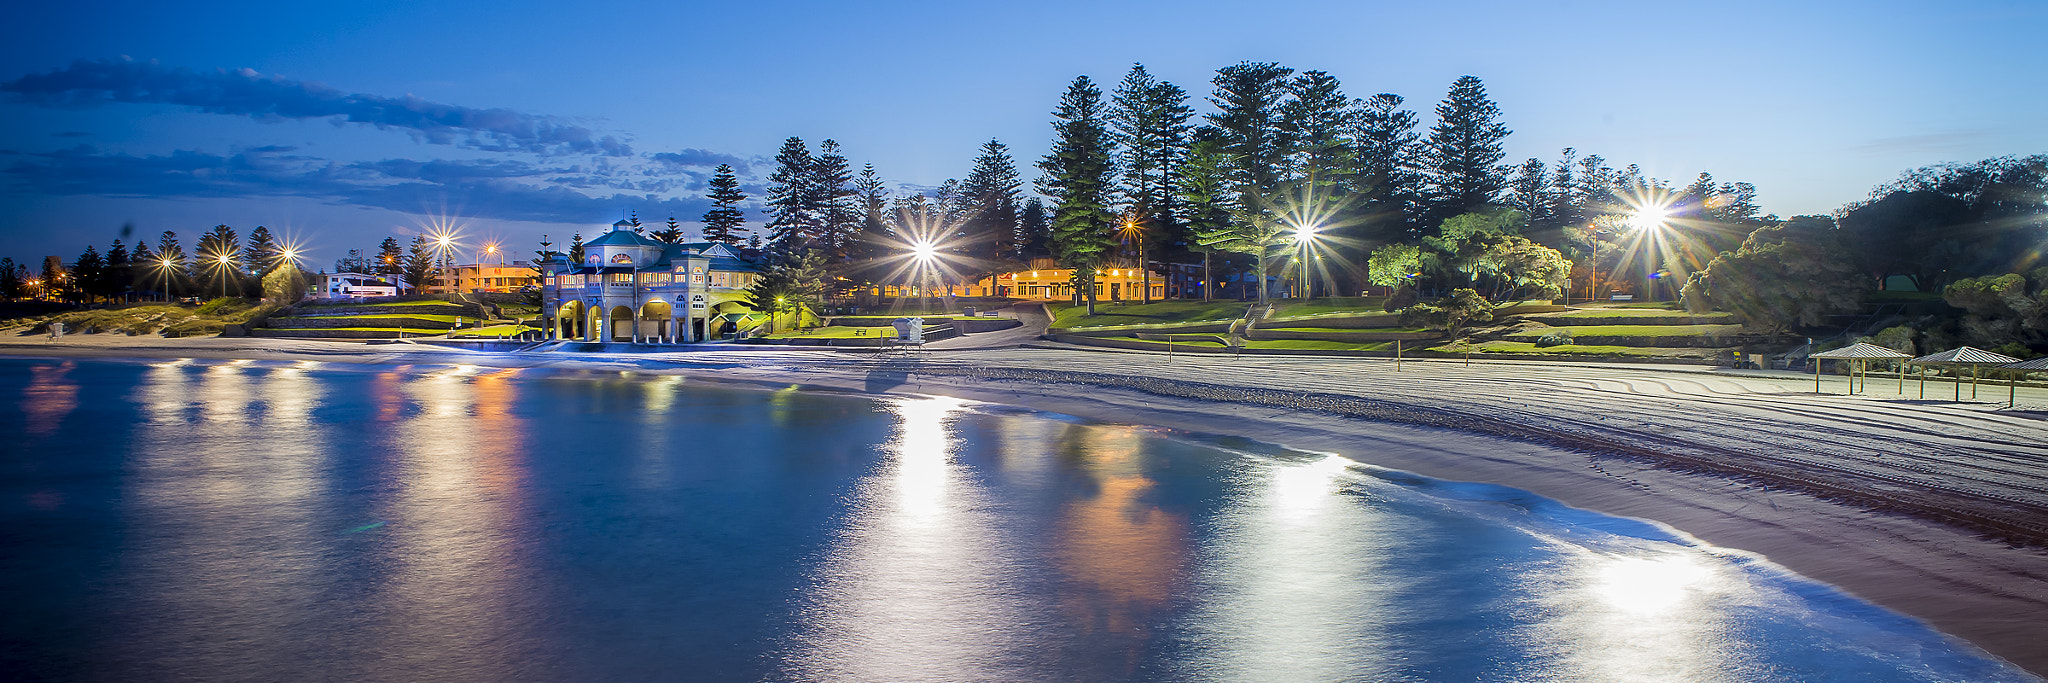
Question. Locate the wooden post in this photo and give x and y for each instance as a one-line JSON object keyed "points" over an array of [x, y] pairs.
{"points": [[1397, 355], [1902, 378], [1923, 382], [1816, 373], [1973, 382]]}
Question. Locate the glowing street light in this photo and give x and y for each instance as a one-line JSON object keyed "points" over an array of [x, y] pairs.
{"points": [[1648, 218]]}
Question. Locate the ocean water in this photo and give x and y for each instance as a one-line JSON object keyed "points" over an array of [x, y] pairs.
{"points": [[266, 521]]}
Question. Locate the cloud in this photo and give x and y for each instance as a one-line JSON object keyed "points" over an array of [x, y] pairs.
{"points": [[487, 189], [700, 158], [244, 92]]}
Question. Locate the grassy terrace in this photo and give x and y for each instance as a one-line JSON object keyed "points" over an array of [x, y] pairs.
{"points": [[373, 316], [1317, 345], [494, 332], [1574, 350], [1358, 330], [837, 332], [1164, 312], [1287, 308], [1639, 331]]}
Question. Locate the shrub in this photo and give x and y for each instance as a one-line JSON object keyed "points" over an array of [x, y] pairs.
{"points": [[1450, 313], [217, 305], [1402, 298], [1897, 338], [1558, 338]]}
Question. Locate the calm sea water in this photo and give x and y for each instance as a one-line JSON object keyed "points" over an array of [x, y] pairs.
{"points": [[217, 520]]}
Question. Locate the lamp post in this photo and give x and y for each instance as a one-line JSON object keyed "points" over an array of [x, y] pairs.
{"points": [[1303, 234], [224, 272], [1131, 232], [168, 268]]}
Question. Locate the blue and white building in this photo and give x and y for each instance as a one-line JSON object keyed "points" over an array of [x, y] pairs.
{"points": [[630, 288]]}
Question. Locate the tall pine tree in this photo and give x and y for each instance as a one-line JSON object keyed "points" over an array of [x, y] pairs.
{"points": [[390, 259], [1387, 179], [120, 274], [723, 222], [838, 205], [261, 254], [1034, 230], [792, 203], [1078, 172], [990, 196], [1150, 118], [670, 232], [1464, 152]]}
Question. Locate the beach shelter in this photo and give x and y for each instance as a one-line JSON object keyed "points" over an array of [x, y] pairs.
{"points": [[1859, 356], [1958, 357], [2018, 369]]}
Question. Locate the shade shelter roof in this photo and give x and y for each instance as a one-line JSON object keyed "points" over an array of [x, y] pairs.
{"points": [[1966, 355], [1860, 351], [2035, 364]]}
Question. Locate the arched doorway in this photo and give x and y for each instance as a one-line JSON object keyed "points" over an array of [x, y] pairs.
{"points": [[569, 320], [656, 321], [621, 324]]}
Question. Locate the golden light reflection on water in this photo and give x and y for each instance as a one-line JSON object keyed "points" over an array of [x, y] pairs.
{"points": [[1123, 554], [915, 587], [453, 525], [48, 398], [1649, 614], [226, 476], [1295, 579]]}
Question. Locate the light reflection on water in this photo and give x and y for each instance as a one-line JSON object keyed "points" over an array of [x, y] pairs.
{"points": [[281, 521]]}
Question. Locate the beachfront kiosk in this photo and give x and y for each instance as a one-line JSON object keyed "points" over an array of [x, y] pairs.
{"points": [[630, 288]]}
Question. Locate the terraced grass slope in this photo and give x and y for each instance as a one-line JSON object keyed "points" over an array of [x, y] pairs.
{"points": [[1686, 336], [1068, 316]]}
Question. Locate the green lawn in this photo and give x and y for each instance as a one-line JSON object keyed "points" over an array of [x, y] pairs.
{"points": [[1630, 313], [838, 332], [466, 319], [1664, 305], [1571, 350], [1286, 308], [1317, 345], [1639, 331], [1361, 330], [494, 331], [1163, 312]]}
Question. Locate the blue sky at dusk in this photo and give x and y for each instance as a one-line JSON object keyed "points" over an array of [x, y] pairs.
{"points": [[340, 123]]}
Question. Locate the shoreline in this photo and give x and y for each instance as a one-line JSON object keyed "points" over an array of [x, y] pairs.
{"points": [[1987, 591]]}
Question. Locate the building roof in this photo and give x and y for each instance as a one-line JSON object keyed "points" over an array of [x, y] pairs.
{"points": [[1966, 356], [1861, 350], [2035, 364], [621, 238]]}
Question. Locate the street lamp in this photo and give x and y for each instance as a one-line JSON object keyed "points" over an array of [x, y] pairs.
{"points": [[223, 268], [168, 269], [1303, 236], [1131, 232]]}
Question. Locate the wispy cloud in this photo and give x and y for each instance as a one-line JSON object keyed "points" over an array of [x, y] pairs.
{"points": [[244, 92], [507, 190]]}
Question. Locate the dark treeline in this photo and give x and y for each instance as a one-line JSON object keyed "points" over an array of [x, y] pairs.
{"points": [[221, 263], [1135, 174]]}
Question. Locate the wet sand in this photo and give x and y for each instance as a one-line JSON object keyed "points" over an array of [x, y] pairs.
{"points": [[1982, 584]]}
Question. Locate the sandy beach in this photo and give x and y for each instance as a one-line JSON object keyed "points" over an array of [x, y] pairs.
{"points": [[1933, 509]]}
